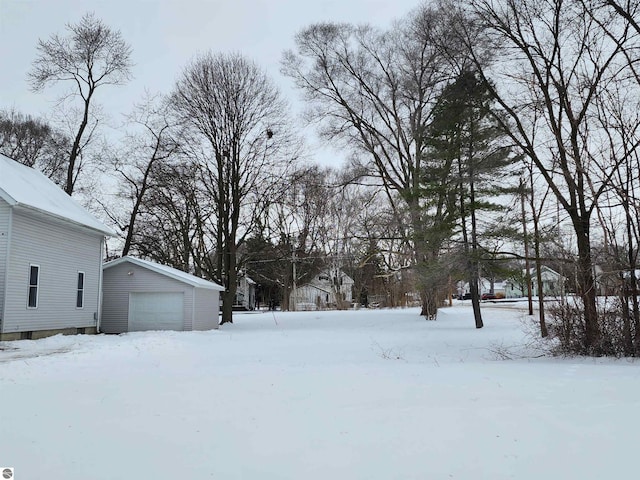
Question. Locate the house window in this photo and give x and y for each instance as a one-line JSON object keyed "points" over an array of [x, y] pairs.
{"points": [[80, 291], [34, 283]]}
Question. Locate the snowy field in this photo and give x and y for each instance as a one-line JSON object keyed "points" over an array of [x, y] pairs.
{"points": [[378, 394]]}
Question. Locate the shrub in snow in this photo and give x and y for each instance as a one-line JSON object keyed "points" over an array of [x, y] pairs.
{"points": [[619, 334]]}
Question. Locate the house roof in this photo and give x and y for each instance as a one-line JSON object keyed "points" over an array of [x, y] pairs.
{"points": [[329, 272], [544, 270], [25, 187], [171, 272]]}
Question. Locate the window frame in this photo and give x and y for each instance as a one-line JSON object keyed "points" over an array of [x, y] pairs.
{"points": [[80, 290], [35, 286]]}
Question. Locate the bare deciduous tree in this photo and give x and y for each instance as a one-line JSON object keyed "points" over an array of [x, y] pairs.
{"points": [[33, 142], [171, 217], [240, 135], [374, 91], [556, 59], [89, 56], [149, 146]]}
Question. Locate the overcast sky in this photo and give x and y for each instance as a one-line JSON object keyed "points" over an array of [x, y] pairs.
{"points": [[166, 34]]}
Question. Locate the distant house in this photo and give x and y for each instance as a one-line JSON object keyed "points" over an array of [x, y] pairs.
{"points": [[610, 281], [485, 286], [51, 252], [328, 289], [140, 295], [245, 298], [553, 284]]}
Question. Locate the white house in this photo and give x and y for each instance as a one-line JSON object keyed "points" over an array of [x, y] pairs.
{"points": [[51, 252], [484, 286], [328, 289], [609, 281], [245, 298], [552, 284], [141, 295]]}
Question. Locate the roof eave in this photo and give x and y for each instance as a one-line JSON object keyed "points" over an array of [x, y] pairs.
{"points": [[106, 231], [7, 198], [135, 261]]}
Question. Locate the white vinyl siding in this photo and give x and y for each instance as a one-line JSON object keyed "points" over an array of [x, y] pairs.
{"points": [[61, 251], [5, 215], [207, 309]]}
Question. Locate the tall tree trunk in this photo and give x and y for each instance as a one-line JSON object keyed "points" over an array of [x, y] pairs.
{"points": [[587, 287], [428, 288], [75, 148], [632, 288], [527, 268], [231, 286], [626, 314], [471, 263], [632, 253], [544, 332], [475, 297]]}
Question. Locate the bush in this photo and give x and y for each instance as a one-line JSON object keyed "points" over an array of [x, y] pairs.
{"points": [[567, 325]]}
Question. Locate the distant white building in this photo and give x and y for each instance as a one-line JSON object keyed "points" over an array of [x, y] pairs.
{"points": [[552, 284], [245, 298], [610, 281], [328, 289], [484, 286]]}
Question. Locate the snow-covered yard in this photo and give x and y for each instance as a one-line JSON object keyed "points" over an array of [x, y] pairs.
{"points": [[378, 394]]}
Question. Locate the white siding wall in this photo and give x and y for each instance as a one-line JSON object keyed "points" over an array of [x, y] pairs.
{"points": [[4, 239], [61, 251], [308, 296], [207, 309], [117, 283]]}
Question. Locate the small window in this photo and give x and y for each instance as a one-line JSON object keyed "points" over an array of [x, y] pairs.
{"points": [[34, 283], [80, 291]]}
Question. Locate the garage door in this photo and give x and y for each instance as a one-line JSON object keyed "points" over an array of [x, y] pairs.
{"points": [[156, 311]]}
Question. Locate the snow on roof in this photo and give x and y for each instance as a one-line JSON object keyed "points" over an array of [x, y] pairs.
{"points": [[25, 187], [544, 270], [168, 271]]}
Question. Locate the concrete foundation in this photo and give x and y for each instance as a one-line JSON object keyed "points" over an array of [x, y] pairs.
{"points": [[36, 334]]}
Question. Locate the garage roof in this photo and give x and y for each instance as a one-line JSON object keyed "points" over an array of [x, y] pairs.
{"points": [[174, 273]]}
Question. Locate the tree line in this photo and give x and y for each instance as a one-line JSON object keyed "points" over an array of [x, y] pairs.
{"points": [[483, 137]]}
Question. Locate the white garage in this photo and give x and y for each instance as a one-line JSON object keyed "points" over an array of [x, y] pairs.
{"points": [[140, 295]]}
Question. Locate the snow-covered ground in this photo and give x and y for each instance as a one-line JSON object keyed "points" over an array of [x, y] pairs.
{"points": [[369, 394]]}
